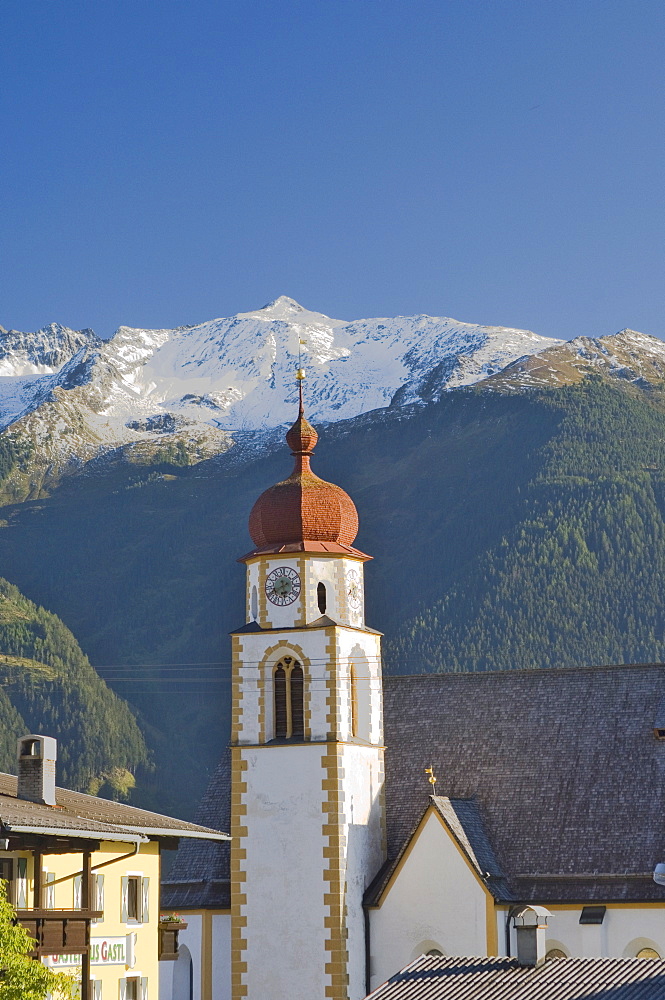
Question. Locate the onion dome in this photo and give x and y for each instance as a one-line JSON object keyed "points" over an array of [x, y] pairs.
{"points": [[303, 508]]}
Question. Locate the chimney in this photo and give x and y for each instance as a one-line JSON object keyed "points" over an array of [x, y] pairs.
{"points": [[36, 769], [530, 926]]}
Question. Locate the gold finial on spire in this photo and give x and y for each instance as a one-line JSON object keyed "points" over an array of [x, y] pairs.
{"points": [[432, 778], [300, 375]]}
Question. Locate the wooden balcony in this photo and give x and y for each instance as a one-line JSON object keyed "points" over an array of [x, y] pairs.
{"points": [[59, 932], [168, 939]]}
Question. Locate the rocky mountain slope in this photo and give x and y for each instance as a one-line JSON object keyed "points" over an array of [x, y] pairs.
{"points": [[628, 355]]}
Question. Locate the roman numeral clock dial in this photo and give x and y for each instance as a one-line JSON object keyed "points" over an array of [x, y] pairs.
{"points": [[282, 586]]}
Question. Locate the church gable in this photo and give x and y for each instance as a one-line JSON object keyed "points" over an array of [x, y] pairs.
{"points": [[435, 898]]}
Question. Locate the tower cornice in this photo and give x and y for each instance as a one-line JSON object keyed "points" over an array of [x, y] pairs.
{"points": [[320, 548]]}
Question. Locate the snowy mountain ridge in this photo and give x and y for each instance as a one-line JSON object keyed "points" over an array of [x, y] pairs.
{"points": [[180, 395], [238, 372]]}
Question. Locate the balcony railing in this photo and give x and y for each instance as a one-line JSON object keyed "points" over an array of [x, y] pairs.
{"points": [[59, 932]]}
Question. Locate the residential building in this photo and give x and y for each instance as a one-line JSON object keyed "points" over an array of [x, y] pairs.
{"points": [[83, 875]]}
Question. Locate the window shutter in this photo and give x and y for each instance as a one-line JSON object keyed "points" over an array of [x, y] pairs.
{"points": [[145, 902], [50, 890], [22, 883], [98, 900], [124, 890], [78, 886], [144, 987]]}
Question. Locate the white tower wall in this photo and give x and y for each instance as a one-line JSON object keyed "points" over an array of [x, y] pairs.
{"points": [[307, 814]]}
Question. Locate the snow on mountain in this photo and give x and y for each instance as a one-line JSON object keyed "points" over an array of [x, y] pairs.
{"points": [[74, 394]]}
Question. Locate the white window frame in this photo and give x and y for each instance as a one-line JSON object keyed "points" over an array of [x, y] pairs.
{"points": [[142, 984], [143, 899]]}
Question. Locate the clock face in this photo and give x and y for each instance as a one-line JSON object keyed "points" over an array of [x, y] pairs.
{"points": [[282, 586], [353, 589]]}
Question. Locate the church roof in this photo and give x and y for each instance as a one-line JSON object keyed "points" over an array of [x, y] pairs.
{"points": [[199, 876], [560, 768], [446, 978], [553, 780]]}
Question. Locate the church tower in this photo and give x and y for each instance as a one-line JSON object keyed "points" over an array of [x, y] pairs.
{"points": [[307, 746]]}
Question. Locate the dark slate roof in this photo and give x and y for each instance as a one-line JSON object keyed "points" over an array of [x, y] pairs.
{"points": [[77, 814], [566, 775], [555, 777], [199, 877], [463, 820], [443, 978]]}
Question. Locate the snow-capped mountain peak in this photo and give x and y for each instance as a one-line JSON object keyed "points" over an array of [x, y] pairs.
{"points": [[234, 374]]}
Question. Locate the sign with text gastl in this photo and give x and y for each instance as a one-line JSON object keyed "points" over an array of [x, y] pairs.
{"points": [[103, 951]]}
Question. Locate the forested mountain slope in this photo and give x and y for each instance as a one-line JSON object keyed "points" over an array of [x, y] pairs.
{"points": [[578, 577], [48, 686], [509, 528]]}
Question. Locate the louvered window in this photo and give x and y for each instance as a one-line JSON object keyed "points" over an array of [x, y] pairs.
{"points": [[289, 692], [297, 703], [281, 714]]}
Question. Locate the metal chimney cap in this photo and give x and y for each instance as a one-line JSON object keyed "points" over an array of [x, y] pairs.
{"points": [[532, 916], [659, 874]]}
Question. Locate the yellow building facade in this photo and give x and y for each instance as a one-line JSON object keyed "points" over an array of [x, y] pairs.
{"points": [[83, 876]]}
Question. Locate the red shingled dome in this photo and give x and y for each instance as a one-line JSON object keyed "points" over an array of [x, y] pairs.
{"points": [[303, 507]]}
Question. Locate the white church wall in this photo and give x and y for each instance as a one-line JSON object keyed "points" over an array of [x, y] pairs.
{"points": [[362, 806], [363, 650], [625, 930], [221, 956], [435, 901], [283, 864], [619, 935]]}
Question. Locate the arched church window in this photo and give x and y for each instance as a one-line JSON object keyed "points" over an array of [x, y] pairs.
{"points": [[255, 604], [281, 714], [289, 694], [321, 597], [297, 702], [353, 697]]}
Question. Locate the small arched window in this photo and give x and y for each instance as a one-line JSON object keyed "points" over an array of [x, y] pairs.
{"points": [[255, 604], [353, 698], [289, 693], [321, 597]]}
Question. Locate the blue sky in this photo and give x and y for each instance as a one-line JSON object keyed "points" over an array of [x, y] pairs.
{"points": [[168, 162]]}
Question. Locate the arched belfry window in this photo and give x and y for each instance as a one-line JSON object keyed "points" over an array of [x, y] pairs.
{"points": [[321, 597], [353, 697], [289, 688]]}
